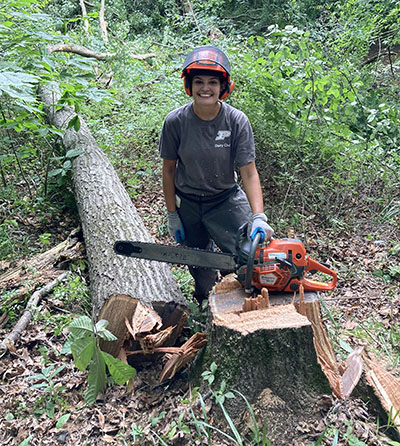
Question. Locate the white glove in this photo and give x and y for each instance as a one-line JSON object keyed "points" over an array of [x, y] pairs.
{"points": [[259, 225], [175, 227]]}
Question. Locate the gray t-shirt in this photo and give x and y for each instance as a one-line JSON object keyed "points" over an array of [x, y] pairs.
{"points": [[207, 151]]}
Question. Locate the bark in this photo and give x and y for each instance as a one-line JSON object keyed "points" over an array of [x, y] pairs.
{"points": [[264, 344], [107, 214], [81, 50], [386, 387], [84, 14]]}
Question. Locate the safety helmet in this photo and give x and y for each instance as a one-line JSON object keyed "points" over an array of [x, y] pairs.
{"points": [[207, 60]]}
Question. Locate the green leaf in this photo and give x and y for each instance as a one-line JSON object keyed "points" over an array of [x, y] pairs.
{"points": [[26, 441], [75, 123], [83, 350], [58, 370], [96, 378], [62, 420], [55, 172], [120, 371], [345, 346], [103, 332], [67, 165], [73, 153], [81, 326]]}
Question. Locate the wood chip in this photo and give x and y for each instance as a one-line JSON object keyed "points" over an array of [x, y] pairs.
{"points": [[144, 320], [178, 360]]}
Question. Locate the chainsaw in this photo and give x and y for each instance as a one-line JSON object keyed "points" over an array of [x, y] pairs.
{"points": [[280, 265]]}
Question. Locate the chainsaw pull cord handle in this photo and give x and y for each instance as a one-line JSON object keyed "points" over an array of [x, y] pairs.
{"points": [[250, 262]]}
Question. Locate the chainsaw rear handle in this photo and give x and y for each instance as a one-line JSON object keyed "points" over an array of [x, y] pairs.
{"points": [[313, 285]]}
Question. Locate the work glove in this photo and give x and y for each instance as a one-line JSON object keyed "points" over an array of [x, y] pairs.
{"points": [[175, 227], [259, 225]]}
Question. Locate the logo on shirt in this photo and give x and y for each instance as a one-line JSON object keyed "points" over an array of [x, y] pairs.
{"points": [[222, 134]]}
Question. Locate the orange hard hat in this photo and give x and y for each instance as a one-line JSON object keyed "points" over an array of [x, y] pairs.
{"points": [[210, 60]]}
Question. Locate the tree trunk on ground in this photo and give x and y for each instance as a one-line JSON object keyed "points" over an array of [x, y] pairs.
{"points": [[107, 214]]}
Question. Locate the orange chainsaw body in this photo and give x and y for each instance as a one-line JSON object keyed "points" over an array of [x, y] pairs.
{"points": [[282, 264]]}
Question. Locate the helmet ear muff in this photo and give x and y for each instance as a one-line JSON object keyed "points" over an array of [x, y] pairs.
{"points": [[186, 83], [228, 90]]}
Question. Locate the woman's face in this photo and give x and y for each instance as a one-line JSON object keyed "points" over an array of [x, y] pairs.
{"points": [[206, 89]]}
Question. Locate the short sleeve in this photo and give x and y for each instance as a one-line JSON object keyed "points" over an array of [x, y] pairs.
{"points": [[169, 139], [245, 148]]}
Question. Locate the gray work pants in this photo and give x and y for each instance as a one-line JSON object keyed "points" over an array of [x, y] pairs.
{"points": [[212, 219]]}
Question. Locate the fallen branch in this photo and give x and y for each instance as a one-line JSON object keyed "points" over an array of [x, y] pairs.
{"points": [[42, 268], [86, 52], [78, 49], [8, 341]]}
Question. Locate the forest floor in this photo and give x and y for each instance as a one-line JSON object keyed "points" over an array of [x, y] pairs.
{"points": [[362, 310]]}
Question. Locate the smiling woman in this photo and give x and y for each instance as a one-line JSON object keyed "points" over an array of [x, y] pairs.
{"points": [[202, 144], [206, 91]]}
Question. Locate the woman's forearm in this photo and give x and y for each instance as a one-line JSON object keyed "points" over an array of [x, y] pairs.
{"points": [[252, 187], [168, 183]]}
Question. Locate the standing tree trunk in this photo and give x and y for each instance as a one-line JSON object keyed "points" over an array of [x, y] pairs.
{"points": [[107, 214]]}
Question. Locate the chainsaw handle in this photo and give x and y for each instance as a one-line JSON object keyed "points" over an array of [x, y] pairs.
{"points": [[250, 262], [311, 285]]}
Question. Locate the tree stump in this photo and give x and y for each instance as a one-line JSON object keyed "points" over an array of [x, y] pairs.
{"points": [[107, 214], [267, 355]]}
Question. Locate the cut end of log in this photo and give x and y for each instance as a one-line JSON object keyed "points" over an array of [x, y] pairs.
{"points": [[116, 307]]}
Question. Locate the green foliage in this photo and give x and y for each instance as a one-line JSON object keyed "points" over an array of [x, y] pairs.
{"points": [[150, 15], [51, 397], [83, 343], [71, 297], [27, 140], [355, 26], [334, 131], [254, 17]]}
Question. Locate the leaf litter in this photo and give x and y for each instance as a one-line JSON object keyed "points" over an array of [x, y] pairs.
{"points": [[158, 414]]}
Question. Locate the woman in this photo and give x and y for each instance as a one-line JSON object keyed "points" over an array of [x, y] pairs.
{"points": [[201, 144]]}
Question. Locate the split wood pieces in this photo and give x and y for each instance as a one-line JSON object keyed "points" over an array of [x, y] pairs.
{"points": [[256, 303], [147, 329]]}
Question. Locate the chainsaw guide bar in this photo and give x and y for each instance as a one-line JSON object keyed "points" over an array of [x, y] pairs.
{"points": [[181, 255]]}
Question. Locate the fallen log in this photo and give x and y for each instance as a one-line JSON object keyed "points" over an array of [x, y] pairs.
{"points": [[107, 214], [42, 268]]}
